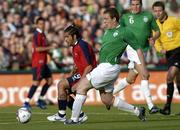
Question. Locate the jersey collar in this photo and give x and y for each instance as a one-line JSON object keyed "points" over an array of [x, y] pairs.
{"points": [[76, 43], [118, 26], [114, 27], [39, 30], [78, 40]]}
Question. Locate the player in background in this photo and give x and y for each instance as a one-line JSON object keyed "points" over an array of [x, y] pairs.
{"points": [[141, 23], [102, 78], [84, 60], [40, 69], [169, 44]]}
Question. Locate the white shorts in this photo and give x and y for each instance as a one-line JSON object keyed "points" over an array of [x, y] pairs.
{"points": [[132, 56], [104, 76]]}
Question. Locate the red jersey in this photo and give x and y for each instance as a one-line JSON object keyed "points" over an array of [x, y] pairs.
{"points": [[83, 55], [39, 40]]}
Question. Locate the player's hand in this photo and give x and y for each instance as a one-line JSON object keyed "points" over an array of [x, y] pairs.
{"points": [[151, 41], [74, 70], [73, 88]]}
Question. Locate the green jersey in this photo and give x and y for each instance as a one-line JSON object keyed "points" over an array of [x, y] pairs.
{"points": [[141, 25], [114, 42]]}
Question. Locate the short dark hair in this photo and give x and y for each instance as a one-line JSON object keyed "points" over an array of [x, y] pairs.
{"points": [[73, 30], [113, 13], [159, 4], [39, 19], [140, 1]]}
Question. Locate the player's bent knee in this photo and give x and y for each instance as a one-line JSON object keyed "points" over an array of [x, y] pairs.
{"points": [[62, 83], [81, 90], [83, 86], [62, 88], [130, 81]]}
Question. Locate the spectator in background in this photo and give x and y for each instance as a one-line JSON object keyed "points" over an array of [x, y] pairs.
{"points": [[168, 44], [17, 16], [56, 59], [4, 59], [67, 59]]}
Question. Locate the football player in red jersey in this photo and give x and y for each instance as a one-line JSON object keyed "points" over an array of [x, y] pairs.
{"points": [[40, 70], [84, 60]]}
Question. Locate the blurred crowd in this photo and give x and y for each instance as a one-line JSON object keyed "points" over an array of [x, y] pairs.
{"points": [[17, 24]]}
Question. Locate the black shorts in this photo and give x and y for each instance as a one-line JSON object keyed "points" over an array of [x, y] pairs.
{"points": [[41, 72], [72, 80], [173, 57]]}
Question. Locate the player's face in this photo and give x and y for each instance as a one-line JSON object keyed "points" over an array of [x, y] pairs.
{"points": [[158, 12], [107, 21], [69, 39], [135, 6], [41, 24]]}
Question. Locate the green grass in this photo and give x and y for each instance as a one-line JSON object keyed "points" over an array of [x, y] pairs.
{"points": [[99, 119]]}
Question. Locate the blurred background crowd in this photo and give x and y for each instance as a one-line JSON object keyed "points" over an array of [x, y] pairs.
{"points": [[17, 24]]}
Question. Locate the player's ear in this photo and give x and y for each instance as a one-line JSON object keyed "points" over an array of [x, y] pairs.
{"points": [[114, 19]]}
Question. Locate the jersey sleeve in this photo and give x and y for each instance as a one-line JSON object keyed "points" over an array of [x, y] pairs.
{"points": [[130, 39], [85, 51], [154, 25], [158, 45], [177, 23]]}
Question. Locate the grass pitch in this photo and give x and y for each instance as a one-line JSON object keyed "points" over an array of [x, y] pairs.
{"points": [[98, 119]]}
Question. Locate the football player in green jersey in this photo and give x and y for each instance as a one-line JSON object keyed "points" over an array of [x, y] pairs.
{"points": [[141, 23], [102, 78]]}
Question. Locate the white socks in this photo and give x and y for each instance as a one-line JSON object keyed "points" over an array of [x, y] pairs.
{"points": [[62, 112], [77, 105], [27, 100], [120, 86], [120, 104], [41, 97], [146, 91], [144, 88]]}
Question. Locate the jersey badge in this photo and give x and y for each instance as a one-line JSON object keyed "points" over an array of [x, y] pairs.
{"points": [[115, 34], [145, 19], [169, 34]]}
